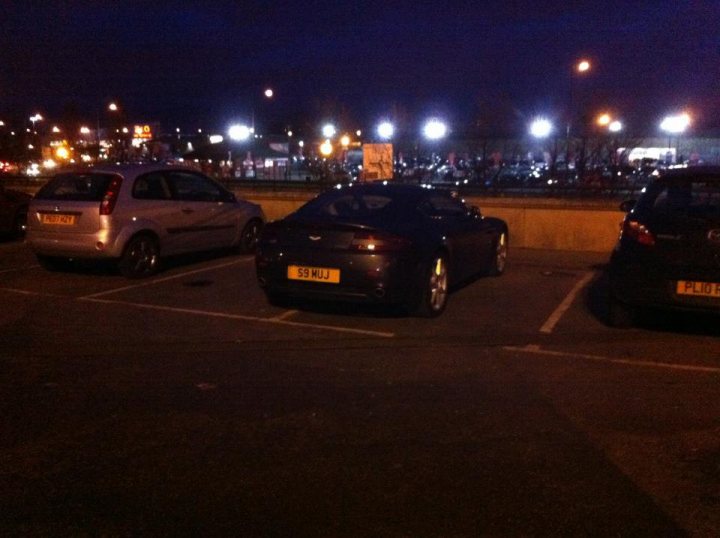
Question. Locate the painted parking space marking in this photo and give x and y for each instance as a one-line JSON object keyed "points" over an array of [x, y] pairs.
{"points": [[223, 315], [15, 269], [165, 279], [563, 307], [285, 315], [537, 350]]}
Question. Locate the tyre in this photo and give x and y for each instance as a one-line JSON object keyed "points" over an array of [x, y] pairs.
{"points": [[499, 259], [249, 236], [433, 288], [141, 257]]}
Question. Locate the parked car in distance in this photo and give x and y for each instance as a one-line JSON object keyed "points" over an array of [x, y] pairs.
{"points": [[380, 243], [668, 254], [136, 214], [13, 212]]}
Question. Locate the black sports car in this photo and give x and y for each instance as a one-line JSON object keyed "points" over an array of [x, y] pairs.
{"points": [[380, 243], [668, 254]]}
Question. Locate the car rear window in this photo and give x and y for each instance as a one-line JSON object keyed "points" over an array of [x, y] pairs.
{"points": [[348, 205], [76, 187], [692, 197]]}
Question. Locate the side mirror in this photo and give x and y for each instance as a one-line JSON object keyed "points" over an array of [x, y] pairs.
{"points": [[627, 206]]}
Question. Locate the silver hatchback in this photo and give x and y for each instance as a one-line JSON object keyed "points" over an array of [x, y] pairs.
{"points": [[135, 214]]}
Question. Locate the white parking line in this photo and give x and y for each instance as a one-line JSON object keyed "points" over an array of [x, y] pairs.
{"points": [[242, 317], [554, 318], [14, 269], [536, 350], [165, 279]]}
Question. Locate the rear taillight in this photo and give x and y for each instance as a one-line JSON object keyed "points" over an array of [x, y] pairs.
{"points": [[635, 231], [110, 198], [377, 242]]}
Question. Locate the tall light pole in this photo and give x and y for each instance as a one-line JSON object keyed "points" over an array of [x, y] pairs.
{"points": [[675, 125], [581, 69]]}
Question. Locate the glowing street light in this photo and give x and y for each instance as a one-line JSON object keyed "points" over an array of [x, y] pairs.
{"points": [[112, 107], [386, 130], [326, 148], [269, 93], [345, 141], [328, 130], [435, 129], [675, 124], [541, 128], [615, 126], [84, 130], [603, 120], [583, 66], [239, 132]]}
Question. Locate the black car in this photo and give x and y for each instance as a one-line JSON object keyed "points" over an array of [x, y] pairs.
{"points": [[380, 243], [668, 254], [13, 212]]}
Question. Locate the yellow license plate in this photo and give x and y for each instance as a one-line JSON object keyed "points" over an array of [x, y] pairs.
{"points": [[699, 289], [57, 218], [314, 274]]}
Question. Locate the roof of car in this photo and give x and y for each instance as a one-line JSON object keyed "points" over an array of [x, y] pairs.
{"points": [[692, 171], [129, 169]]}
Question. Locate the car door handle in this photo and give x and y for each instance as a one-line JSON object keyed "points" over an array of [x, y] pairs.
{"points": [[187, 210]]}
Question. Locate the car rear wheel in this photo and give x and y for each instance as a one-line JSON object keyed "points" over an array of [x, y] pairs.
{"points": [[433, 293], [499, 260], [250, 236], [141, 257]]}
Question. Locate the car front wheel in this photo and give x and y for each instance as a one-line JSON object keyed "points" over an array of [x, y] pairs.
{"points": [[249, 236], [499, 260]]}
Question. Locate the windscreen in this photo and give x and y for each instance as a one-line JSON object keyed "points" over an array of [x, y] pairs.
{"points": [[76, 187]]}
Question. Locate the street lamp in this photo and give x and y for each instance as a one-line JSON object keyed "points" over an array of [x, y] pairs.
{"points": [[385, 130], [435, 129], [239, 132], [541, 128], [675, 125], [328, 130]]}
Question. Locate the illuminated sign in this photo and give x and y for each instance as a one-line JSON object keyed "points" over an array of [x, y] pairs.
{"points": [[143, 132], [377, 161]]}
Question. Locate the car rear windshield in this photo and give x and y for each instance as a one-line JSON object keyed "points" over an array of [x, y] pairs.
{"points": [[76, 187], [697, 197], [349, 205]]}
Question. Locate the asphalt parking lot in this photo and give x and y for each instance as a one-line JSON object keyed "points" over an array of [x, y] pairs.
{"points": [[186, 404]]}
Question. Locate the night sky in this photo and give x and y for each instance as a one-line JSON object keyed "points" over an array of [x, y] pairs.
{"points": [[491, 65]]}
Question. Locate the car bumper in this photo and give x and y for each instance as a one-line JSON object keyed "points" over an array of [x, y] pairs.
{"points": [[365, 278], [98, 245], [641, 285]]}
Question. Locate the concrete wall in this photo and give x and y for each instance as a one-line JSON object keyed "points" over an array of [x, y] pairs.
{"points": [[545, 224]]}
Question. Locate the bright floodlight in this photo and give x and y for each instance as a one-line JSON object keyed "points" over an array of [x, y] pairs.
{"points": [[386, 130], [541, 128], [434, 130], [326, 148], [269, 93], [216, 139], [583, 66], [675, 124], [113, 107], [615, 126], [239, 132], [328, 130]]}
